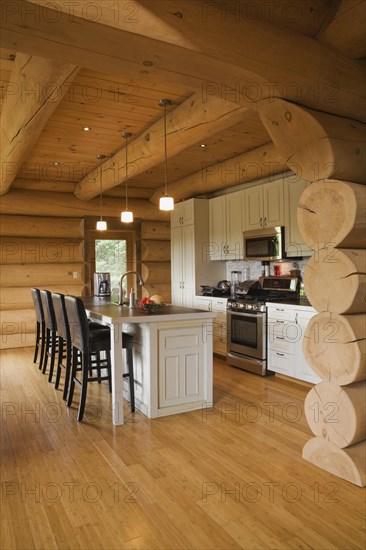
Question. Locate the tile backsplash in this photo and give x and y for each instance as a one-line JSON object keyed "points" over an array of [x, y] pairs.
{"points": [[253, 270]]}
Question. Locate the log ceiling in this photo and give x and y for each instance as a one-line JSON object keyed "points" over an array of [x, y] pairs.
{"points": [[213, 60]]}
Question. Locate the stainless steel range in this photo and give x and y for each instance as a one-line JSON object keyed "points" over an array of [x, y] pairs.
{"points": [[247, 321]]}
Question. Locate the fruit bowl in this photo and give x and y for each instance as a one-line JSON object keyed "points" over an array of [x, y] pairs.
{"points": [[152, 308]]}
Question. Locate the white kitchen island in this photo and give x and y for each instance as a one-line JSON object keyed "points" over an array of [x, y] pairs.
{"points": [[172, 357]]}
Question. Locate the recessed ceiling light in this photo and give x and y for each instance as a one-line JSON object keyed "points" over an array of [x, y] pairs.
{"points": [[56, 163], [86, 128], [203, 145]]}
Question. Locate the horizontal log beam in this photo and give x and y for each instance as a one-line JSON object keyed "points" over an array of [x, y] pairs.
{"points": [[200, 53], [315, 144], [188, 124], [33, 226], [258, 163], [36, 87], [63, 204]]}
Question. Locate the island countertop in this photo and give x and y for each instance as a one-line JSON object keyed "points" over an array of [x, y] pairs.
{"points": [[103, 307]]}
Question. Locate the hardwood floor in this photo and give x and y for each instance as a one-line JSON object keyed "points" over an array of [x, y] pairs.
{"points": [[228, 477]]}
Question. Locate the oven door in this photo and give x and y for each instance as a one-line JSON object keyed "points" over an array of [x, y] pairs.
{"points": [[246, 334]]}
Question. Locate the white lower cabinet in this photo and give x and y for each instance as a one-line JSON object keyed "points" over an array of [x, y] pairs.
{"points": [[286, 329], [181, 366], [217, 305]]}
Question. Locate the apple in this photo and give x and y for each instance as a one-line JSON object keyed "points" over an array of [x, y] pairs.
{"points": [[157, 299]]}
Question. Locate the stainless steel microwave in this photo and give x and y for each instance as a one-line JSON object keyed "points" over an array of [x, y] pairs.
{"points": [[264, 244]]}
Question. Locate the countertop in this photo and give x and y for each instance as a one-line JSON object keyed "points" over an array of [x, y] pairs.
{"points": [[103, 307]]}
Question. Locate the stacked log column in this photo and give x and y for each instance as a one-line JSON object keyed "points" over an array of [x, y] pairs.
{"points": [[332, 221], [328, 151]]}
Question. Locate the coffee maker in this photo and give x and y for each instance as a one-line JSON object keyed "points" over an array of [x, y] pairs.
{"points": [[102, 284]]}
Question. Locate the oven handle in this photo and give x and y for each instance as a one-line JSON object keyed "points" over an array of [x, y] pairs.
{"points": [[242, 314]]}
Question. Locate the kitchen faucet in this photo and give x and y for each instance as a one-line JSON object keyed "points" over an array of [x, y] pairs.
{"points": [[139, 281]]}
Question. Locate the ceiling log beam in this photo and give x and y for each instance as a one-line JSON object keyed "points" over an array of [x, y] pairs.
{"points": [[190, 123], [241, 60], [316, 145], [36, 87], [264, 161]]}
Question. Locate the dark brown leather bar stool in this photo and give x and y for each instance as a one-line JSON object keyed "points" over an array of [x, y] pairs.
{"points": [[89, 343], [127, 344], [64, 341], [40, 327], [51, 332]]}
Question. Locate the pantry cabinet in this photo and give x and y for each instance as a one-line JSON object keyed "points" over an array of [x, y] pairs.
{"points": [[190, 260], [286, 329], [264, 206], [226, 226], [293, 189]]}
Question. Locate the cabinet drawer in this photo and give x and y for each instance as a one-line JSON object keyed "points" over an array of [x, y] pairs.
{"points": [[203, 304], [288, 331], [283, 363], [219, 304], [281, 314], [280, 343]]}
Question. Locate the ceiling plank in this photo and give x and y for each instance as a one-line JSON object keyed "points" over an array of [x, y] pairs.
{"points": [[190, 123], [35, 89], [243, 61], [258, 163]]}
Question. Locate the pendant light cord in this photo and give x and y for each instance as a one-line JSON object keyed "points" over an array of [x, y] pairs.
{"points": [[126, 138], [101, 192], [165, 153]]}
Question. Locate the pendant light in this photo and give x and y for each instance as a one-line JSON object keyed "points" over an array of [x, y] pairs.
{"points": [[127, 215], [101, 224], [165, 203]]}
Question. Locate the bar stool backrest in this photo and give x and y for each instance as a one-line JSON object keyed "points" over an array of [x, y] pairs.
{"points": [[78, 322], [38, 308], [62, 322], [49, 314]]}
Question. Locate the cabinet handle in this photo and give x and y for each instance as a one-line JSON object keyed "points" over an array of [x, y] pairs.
{"points": [[183, 284], [280, 322], [279, 337], [281, 354], [261, 222], [265, 222], [278, 309], [296, 321], [209, 307]]}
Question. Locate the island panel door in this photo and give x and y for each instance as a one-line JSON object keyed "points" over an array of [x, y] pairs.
{"points": [[181, 378]]}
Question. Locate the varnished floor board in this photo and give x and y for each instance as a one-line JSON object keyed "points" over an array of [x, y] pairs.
{"points": [[229, 477]]}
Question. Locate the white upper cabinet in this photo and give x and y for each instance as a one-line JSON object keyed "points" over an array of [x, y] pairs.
{"points": [[227, 226], [264, 206], [183, 214], [294, 243]]}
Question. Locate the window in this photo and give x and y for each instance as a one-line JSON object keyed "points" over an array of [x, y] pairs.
{"points": [[111, 256]]}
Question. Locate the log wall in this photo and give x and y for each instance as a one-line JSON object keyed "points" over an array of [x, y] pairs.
{"points": [[155, 258], [49, 252], [44, 252]]}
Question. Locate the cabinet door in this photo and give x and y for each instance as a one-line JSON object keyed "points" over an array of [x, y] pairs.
{"points": [[283, 363], [181, 377], [176, 264], [234, 229], [183, 214], [254, 208], [203, 303], [217, 228], [293, 189], [273, 214], [302, 370]]}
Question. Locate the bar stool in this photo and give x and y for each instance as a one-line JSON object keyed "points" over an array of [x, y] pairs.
{"points": [[40, 326], [64, 341], [90, 344], [127, 344], [51, 332]]}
